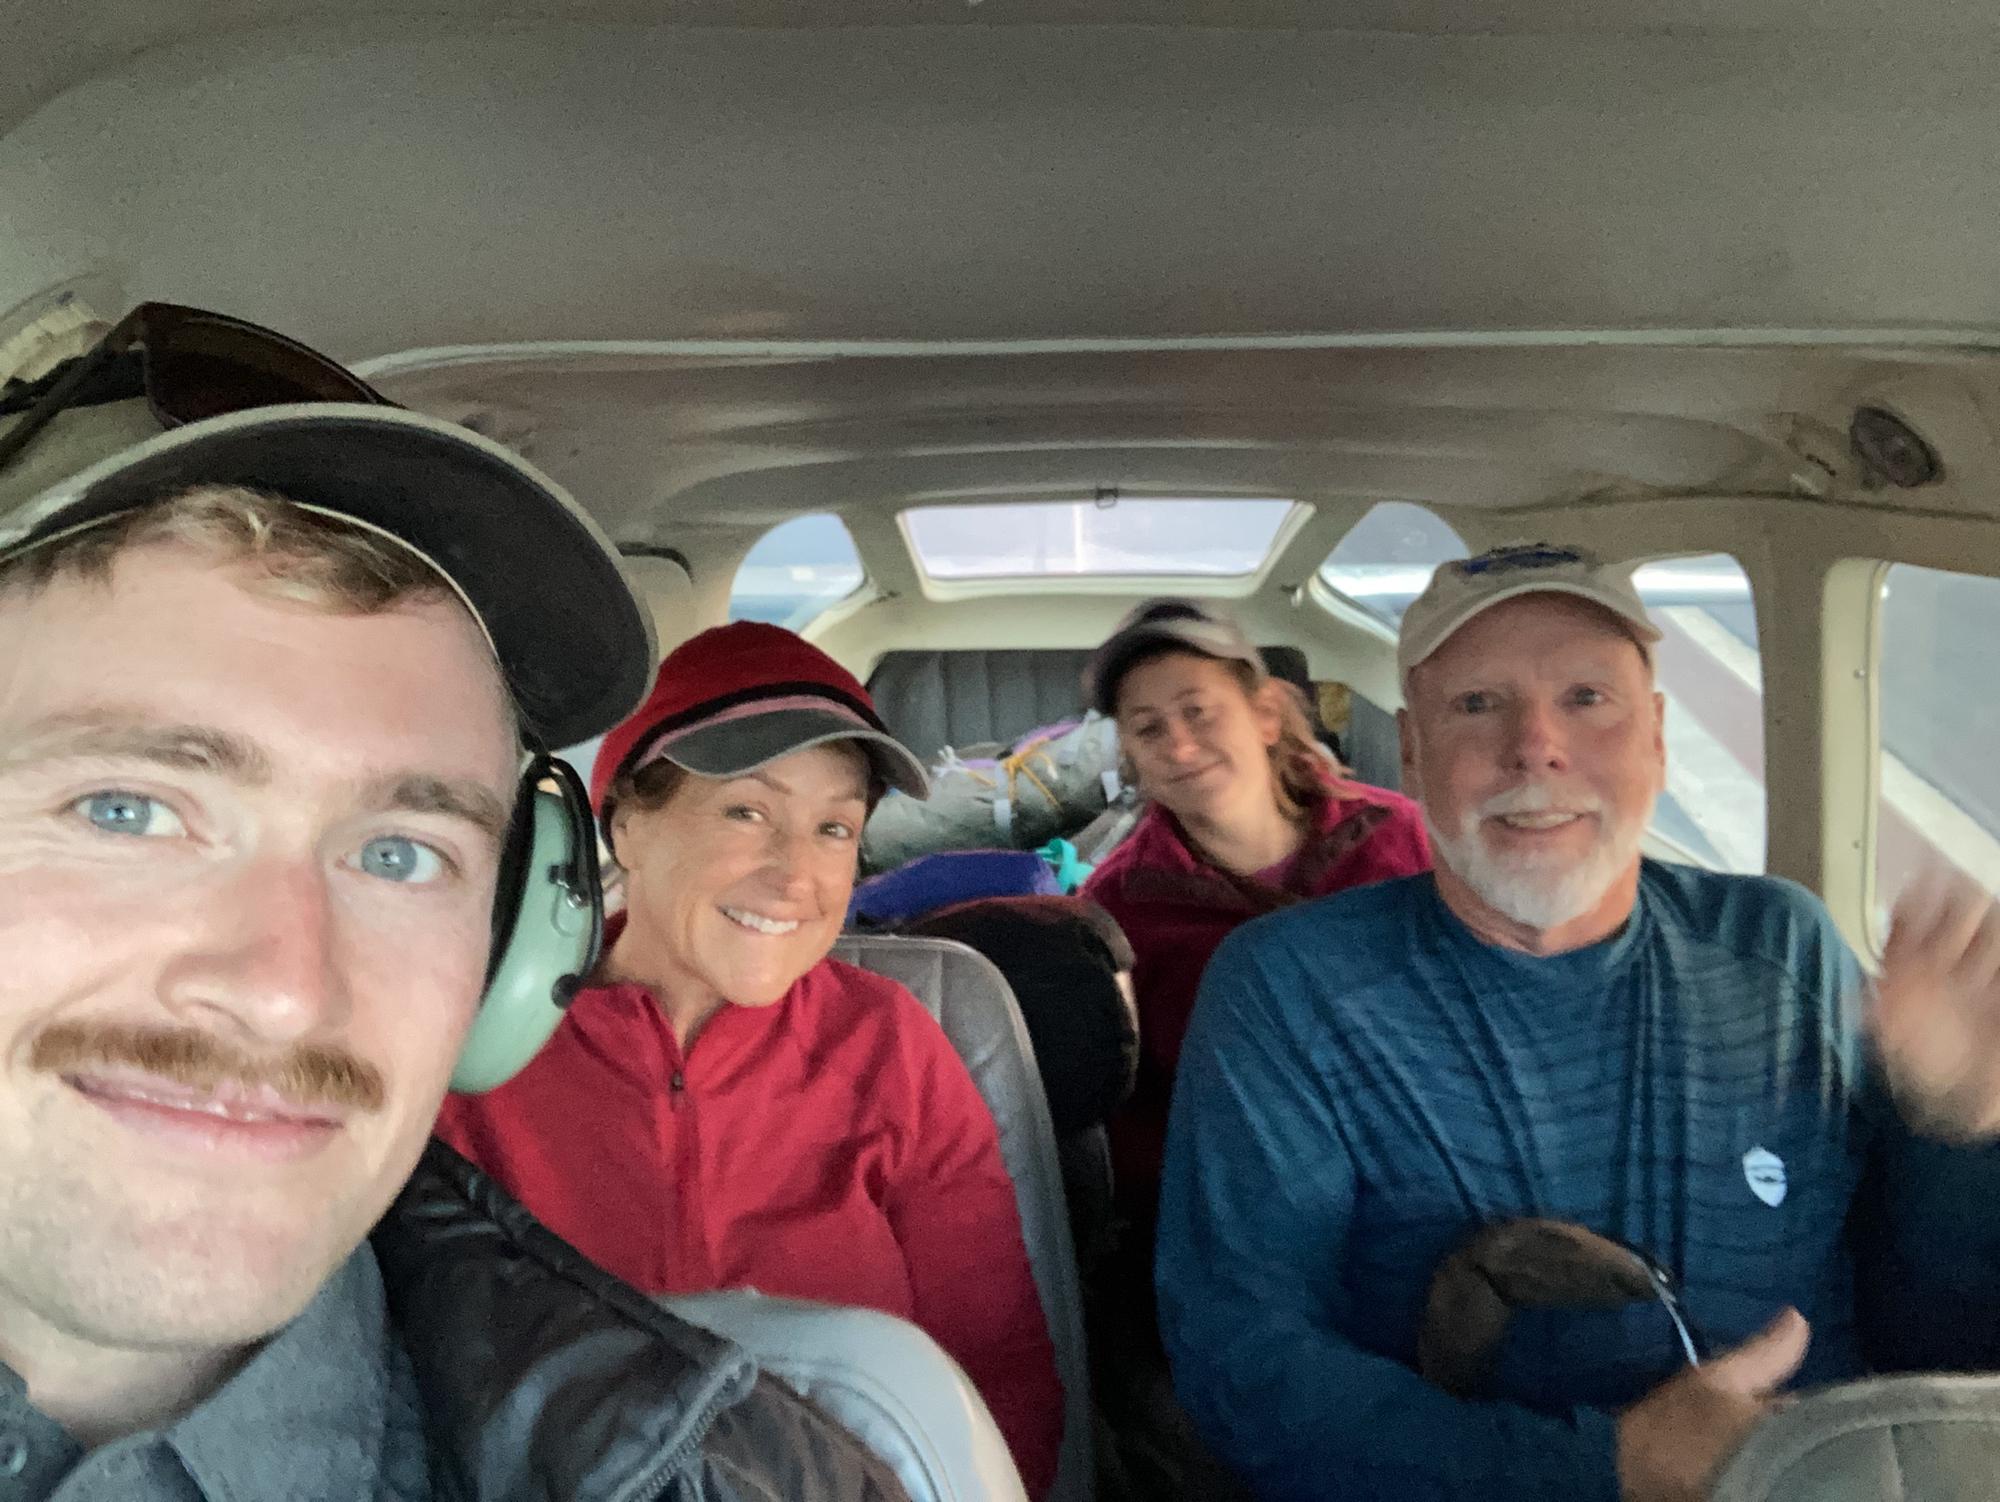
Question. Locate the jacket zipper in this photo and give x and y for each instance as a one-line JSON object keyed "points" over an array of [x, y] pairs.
{"points": [[670, 1469]]}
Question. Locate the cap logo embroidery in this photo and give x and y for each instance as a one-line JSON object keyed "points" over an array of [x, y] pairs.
{"points": [[1764, 1170], [1534, 555]]}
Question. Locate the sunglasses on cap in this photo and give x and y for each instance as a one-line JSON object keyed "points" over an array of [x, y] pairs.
{"points": [[188, 364]]}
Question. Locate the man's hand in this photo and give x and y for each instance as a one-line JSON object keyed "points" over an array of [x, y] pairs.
{"points": [[1675, 1441], [1936, 1014]]}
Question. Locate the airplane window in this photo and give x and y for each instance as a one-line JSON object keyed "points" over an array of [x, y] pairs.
{"points": [[1709, 667], [1141, 535], [795, 571], [1387, 558], [1938, 783]]}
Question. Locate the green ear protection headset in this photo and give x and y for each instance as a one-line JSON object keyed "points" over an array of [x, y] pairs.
{"points": [[548, 926]]}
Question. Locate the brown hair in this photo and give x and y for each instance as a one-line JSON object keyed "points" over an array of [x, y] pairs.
{"points": [[1302, 768], [1306, 767], [649, 788], [324, 561]]}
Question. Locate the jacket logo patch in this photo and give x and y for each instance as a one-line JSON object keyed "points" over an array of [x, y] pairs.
{"points": [[1765, 1171]]}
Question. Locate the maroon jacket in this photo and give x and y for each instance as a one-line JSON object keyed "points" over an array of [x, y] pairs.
{"points": [[1176, 909]]}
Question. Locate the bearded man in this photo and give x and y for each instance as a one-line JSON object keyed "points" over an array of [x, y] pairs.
{"points": [[1552, 1027]]}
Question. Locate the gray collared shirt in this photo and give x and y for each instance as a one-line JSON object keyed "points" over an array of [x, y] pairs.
{"points": [[302, 1421]]}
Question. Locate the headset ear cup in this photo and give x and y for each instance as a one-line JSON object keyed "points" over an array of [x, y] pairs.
{"points": [[546, 945]]}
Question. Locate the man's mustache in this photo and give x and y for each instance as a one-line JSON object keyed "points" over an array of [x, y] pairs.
{"points": [[309, 1074], [1539, 798]]}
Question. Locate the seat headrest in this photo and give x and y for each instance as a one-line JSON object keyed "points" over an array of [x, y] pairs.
{"points": [[1062, 956], [1932, 1436], [1289, 664]]}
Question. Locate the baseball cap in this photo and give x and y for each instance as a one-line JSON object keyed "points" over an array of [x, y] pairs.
{"points": [[736, 697], [534, 570], [1461, 589], [1186, 624]]}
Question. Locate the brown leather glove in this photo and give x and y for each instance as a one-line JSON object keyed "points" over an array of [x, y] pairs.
{"points": [[1520, 1264]]}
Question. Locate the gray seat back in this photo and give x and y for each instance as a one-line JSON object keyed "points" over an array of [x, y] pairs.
{"points": [[890, 1384], [1373, 744], [931, 700], [1886, 1439], [969, 997]]}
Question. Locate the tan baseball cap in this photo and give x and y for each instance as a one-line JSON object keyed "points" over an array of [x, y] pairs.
{"points": [[1187, 624], [1461, 589]]}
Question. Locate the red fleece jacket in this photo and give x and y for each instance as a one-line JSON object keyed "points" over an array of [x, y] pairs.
{"points": [[829, 1147], [1177, 908]]}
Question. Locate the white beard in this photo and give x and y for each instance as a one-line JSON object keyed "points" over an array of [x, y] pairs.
{"points": [[1539, 893]]}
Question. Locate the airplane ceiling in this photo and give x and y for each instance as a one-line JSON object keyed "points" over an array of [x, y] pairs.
{"points": [[982, 246]]}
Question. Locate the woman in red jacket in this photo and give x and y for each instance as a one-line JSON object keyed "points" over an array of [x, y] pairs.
{"points": [[726, 1106], [1247, 813]]}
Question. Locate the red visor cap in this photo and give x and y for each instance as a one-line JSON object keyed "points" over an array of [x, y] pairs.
{"points": [[734, 697]]}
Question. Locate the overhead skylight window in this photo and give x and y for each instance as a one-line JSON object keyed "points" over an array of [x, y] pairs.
{"points": [[1146, 535]]}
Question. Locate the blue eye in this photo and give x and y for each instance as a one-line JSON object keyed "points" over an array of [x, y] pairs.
{"points": [[1474, 703], [394, 858], [1587, 698], [130, 814]]}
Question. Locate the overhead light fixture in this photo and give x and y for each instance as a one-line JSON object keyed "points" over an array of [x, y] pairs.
{"points": [[1894, 452]]}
